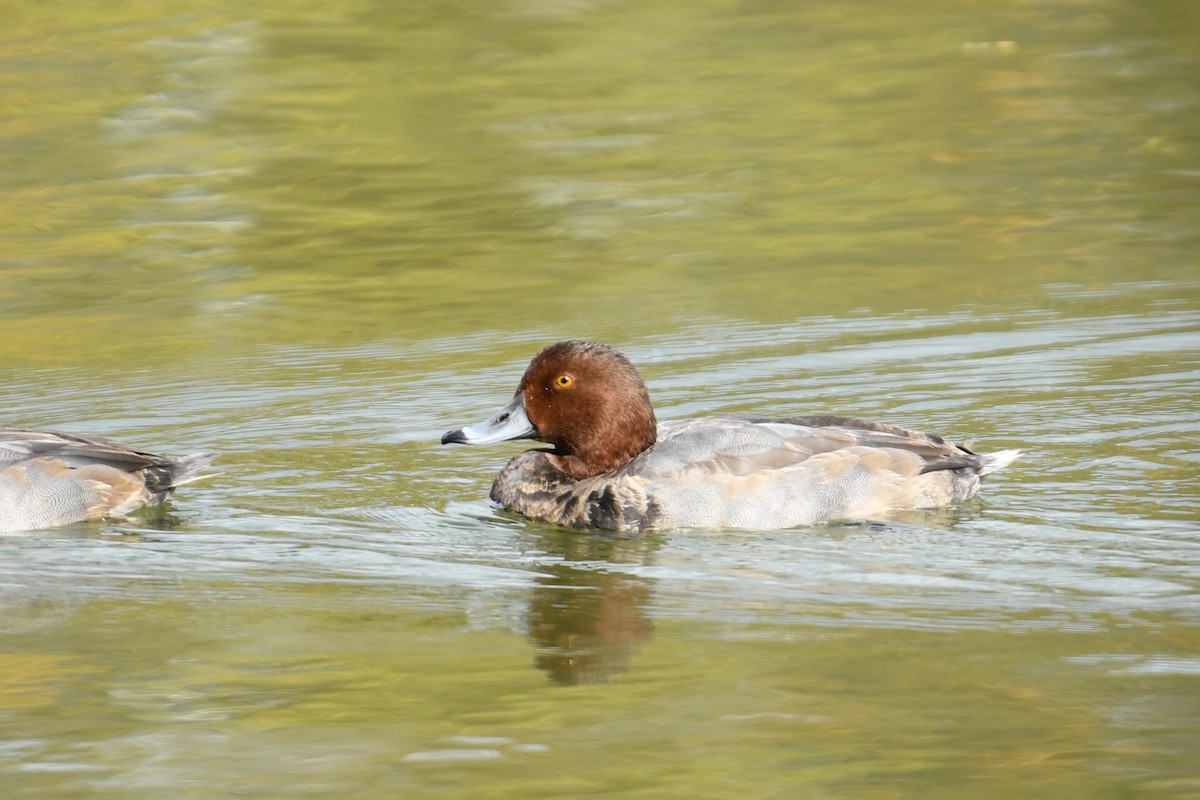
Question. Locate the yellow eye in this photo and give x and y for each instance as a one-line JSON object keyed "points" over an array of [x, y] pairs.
{"points": [[564, 380]]}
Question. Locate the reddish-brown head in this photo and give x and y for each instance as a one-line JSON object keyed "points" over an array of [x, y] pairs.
{"points": [[588, 401]]}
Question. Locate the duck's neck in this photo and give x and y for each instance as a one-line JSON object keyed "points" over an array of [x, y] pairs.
{"points": [[575, 467], [606, 454]]}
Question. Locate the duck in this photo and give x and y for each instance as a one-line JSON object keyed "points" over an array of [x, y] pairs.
{"points": [[52, 478], [611, 466]]}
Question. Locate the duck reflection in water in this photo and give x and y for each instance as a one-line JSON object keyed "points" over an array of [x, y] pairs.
{"points": [[588, 621]]}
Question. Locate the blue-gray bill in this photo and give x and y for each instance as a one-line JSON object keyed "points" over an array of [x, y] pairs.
{"points": [[510, 422]]}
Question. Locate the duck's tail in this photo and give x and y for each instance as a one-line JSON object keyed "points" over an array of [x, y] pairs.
{"points": [[990, 462], [189, 468], [163, 476]]}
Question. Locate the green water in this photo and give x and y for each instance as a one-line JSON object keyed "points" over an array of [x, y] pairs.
{"points": [[315, 236]]}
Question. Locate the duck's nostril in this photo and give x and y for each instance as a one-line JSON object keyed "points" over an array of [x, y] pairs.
{"points": [[503, 417]]}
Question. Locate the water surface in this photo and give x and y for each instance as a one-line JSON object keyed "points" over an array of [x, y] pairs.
{"points": [[315, 237]]}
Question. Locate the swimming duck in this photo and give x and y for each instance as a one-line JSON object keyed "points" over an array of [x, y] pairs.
{"points": [[51, 478], [610, 466]]}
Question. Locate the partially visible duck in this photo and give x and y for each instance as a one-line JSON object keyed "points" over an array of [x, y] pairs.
{"points": [[51, 478], [610, 466]]}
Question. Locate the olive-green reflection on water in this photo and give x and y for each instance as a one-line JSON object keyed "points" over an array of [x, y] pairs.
{"points": [[343, 689], [340, 173]]}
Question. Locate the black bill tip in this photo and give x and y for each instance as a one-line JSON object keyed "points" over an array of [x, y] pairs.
{"points": [[455, 436]]}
